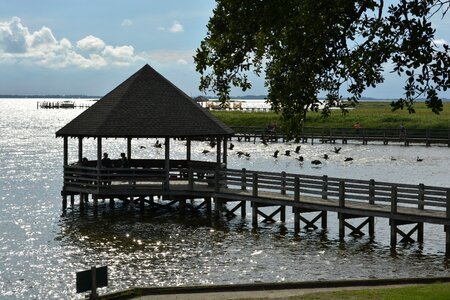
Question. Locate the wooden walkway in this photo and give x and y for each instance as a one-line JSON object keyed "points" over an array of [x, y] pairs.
{"points": [[426, 137], [231, 189]]}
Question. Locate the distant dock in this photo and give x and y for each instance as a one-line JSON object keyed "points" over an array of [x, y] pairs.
{"points": [[62, 104]]}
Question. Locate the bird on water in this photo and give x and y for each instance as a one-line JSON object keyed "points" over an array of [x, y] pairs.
{"points": [[316, 162], [275, 154], [336, 150], [297, 149], [348, 159]]}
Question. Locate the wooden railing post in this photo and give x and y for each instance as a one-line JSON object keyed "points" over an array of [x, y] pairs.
{"points": [[447, 227], [217, 179], [244, 179], [296, 200], [255, 185], [394, 199], [393, 221], [324, 187], [421, 206], [283, 183], [421, 196], [341, 215], [371, 202], [190, 178]]}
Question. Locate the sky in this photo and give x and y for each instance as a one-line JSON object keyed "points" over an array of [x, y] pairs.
{"points": [[88, 47]]}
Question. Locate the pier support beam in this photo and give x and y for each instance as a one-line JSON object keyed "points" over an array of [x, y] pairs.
{"points": [[64, 201], [267, 218], [231, 212], [356, 230]]}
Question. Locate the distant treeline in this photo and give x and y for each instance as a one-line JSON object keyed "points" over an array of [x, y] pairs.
{"points": [[49, 96]]}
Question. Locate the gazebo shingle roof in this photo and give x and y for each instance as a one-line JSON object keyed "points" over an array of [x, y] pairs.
{"points": [[145, 105]]}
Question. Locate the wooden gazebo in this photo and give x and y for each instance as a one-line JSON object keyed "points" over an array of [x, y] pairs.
{"points": [[146, 105]]}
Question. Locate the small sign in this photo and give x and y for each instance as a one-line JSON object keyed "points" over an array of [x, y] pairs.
{"points": [[85, 282]]}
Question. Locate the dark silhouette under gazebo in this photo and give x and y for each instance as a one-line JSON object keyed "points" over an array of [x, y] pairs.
{"points": [[146, 105]]}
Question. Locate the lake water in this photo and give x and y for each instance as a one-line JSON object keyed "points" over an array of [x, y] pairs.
{"points": [[41, 248]]}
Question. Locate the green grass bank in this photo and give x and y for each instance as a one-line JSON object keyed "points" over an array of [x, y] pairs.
{"points": [[438, 291], [369, 114]]}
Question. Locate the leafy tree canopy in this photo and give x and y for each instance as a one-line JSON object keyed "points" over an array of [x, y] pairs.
{"points": [[307, 47]]}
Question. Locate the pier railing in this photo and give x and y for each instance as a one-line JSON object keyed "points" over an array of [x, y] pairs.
{"points": [[385, 135], [290, 187], [367, 191]]}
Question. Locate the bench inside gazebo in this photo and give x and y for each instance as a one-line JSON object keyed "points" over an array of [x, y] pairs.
{"points": [[144, 106]]}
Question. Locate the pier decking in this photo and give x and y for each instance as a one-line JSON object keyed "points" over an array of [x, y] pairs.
{"points": [[351, 199]]}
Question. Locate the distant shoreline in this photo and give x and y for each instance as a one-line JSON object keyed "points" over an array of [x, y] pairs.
{"points": [[247, 98], [48, 97]]}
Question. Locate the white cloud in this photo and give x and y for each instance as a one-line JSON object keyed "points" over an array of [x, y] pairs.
{"points": [[170, 57], [18, 45], [176, 27], [91, 43], [126, 23], [440, 42]]}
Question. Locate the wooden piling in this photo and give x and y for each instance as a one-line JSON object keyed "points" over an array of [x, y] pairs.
{"points": [[243, 209], [254, 215]]}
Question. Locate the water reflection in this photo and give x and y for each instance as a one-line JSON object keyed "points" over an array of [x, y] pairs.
{"points": [[41, 250]]}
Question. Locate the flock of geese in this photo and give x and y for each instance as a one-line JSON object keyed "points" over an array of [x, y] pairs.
{"points": [[300, 158]]}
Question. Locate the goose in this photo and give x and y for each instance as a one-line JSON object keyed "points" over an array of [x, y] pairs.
{"points": [[300, 158], [246, 154], [157, 144], [275, 154], [419, 159], [231, 146], [348, 159], [325, 156], [287, 153], [393, 158], [240, 153], [297, 149], [205, 151], [336, 150], [316, 162]]}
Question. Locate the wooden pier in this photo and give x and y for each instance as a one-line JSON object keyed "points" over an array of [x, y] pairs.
{"points": [[61, 104], [426, 137], [148, 106], [231, 189]]}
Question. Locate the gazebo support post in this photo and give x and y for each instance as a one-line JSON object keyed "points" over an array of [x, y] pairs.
{"points": [[188, 149], [219, 148], [225, 148], [167, 162], [99, 166], [129, 149], [65, 162], [80, 149]]}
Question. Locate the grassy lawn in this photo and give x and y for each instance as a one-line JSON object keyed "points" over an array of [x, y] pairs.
{"points": [[369, 114], [420, 292]]}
